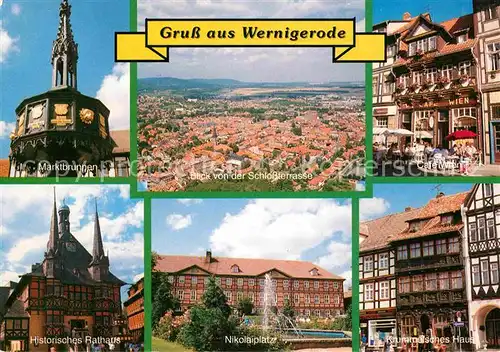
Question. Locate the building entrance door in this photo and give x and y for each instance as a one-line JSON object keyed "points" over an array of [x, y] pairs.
{"points": [[493, 328], [496, 142], [424, 323], [443, 128]]}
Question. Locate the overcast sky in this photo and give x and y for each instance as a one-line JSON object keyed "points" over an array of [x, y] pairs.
{"points": [[253, 64]]}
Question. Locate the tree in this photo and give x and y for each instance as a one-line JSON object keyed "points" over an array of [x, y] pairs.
{"points": [[245, 306], [245, 164], [234, 147], [297, 131], [163, 301], [210, 322]]}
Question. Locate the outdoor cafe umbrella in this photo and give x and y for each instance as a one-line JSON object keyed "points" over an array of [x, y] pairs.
{"points": [[398, 132], [463, 134]]}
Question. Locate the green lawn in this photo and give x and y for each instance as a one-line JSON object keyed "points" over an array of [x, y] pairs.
{"points": [[162, 345]]}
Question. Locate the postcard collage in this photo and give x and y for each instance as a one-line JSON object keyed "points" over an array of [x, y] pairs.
{"points": [[244, 175]]}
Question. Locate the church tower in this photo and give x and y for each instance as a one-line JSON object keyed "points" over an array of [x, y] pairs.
{"points": [[51, 263], [99, 266], [214, 136], [64, 52], [64, 219]]}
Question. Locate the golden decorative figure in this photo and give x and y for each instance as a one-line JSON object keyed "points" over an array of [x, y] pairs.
{"points": [[61, 119], [61, 109], [102, 126], [87, 116]]}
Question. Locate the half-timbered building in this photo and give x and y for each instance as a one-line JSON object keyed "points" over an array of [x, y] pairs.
{"points": [[482, 257], [429, 269], [384, 108], [311, 290], [71, 294], [487, 28], [377, 281], [434, 73], [134, 306]]}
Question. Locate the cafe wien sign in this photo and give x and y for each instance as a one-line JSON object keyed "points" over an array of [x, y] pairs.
{"points": [[441, 103]]}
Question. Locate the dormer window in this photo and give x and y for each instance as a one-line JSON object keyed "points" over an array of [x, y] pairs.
{"points": [[422, 46], [235, 269], [446, 219], [415, 225], [314, 272], [462, 38]]}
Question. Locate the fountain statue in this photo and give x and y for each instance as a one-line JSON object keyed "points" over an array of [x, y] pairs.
{"points": [[273, 319]]}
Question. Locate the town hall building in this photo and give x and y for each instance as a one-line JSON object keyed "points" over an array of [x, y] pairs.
{"points": [[70, 294]]}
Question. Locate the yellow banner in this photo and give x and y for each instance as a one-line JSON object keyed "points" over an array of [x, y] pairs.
{"points": [[162, 34]]}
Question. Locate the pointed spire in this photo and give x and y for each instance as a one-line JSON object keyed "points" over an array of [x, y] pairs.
{"points": [[64, 31], [64, 51], [54, 231], [98, 249]]}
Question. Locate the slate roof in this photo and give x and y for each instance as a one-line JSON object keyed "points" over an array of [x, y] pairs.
{"points": [[76, 265], [16, 310]]}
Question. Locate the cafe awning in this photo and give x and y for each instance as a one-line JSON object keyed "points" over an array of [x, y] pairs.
{"points": [[423, 134], [379, 130], [398, 132]]}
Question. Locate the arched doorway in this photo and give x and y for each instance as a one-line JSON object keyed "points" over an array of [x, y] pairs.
{"points": [[492, 324], [424, 323]]}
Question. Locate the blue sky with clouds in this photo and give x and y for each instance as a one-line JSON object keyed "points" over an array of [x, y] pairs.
{"points": [[317, 230], [25, 226], [253, 64], [440, 10], [27, 30], [394, 198]]}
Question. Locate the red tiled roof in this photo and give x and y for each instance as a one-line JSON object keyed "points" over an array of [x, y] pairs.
{"points": [[458, 23], [453, 48], [379, 231], [431, 215], [247, 266], [442, 205], [122, 140]]}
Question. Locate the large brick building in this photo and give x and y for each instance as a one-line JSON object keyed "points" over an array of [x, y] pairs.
{"points": [[311, 290]]}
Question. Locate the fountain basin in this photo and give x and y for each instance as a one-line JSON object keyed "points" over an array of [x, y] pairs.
{"points": [[311, 343]]}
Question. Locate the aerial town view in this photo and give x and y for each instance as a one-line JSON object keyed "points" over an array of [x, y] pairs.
{"points": [[220, 135]]}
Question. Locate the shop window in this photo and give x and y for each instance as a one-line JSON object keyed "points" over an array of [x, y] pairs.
{"points": [[407, 325]]}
